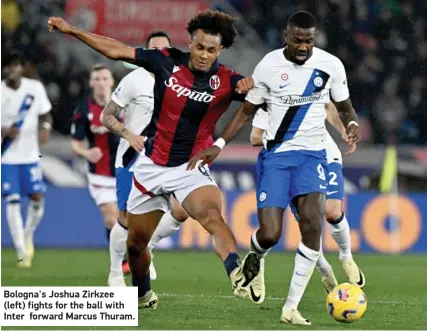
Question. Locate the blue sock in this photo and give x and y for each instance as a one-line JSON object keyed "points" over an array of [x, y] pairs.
{"points": [[143, 284], [231, 262], [108, 232]]}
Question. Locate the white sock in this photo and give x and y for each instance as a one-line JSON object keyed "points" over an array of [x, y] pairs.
{"points": [[322, 264], [256, 248], [167, 226], [16, 225], [341, 234], [305, 261], [118, 238], [34, 216]]}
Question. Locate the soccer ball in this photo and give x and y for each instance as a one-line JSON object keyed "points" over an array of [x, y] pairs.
{"points": [[346, 303]]}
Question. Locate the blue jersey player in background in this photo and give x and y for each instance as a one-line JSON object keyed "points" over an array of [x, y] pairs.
{"points": [[295, 83]]}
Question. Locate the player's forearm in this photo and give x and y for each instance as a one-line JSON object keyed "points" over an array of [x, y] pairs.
{"points": [[334, 119], [243, 115], [108, 47], [79, 148], [110, 121], [346, 112]]}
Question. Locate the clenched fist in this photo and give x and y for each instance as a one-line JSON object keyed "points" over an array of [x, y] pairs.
{"points": [[58, 23]]}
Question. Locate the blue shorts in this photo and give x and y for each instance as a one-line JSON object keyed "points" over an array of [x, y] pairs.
{"points": [[335, 182], [124, 179], [286, 175], [22, 179]]}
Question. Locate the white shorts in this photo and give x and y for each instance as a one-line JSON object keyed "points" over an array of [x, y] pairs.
{"points": [[153, 184], [102, 189], [333, 153]]}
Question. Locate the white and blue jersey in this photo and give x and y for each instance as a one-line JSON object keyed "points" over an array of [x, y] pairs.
{"points": [[294, 140], [135, 95], [21, 173]]}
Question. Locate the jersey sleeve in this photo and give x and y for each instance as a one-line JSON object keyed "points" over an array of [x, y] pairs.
{"points": [[151, 59], [79, 125], [235, 77], [260, 120], [44, 104], [339, 86], [126, 91], [257, 95]]}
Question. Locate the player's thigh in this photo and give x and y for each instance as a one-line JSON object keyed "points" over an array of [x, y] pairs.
{"points": [[140, 229], [31, 178], [177, 211], [110, 213], [10, 180]]}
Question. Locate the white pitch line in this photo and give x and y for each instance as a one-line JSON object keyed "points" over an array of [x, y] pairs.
{"points": [[202, 296]]}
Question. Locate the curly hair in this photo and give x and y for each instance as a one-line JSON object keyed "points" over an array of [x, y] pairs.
{"points": [[214, 23]]}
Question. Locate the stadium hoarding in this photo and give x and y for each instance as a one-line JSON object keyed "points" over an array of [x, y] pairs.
{"points": [[72, 220]]}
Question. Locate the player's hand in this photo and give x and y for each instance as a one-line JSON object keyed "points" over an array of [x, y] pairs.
{"points": [[13, 132], [137, 142], [353, 133], [93, 155], [351, 148], [206, 156], [58, 23], [244, 85]]}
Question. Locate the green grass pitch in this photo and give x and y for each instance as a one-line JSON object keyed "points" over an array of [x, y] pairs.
{"points": [[194, 292]]}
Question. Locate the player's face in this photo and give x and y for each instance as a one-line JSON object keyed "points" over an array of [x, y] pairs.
{"points": [[101, 82], [204, 49], [159, 42], [300, 43], [14, 70]]}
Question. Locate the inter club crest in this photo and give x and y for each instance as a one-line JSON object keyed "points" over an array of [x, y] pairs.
{"points": [[214, 82]]}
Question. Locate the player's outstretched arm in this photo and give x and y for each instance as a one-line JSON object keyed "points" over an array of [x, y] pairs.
{"points": [[108, 47], [242, 116], [45, 127], [334, 119], [350, 120], [109, 119]]}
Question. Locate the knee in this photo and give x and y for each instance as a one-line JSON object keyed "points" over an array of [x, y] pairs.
{"points": [[270, 238], [179, 214], [210, 217], [136, 246], [333, 211], [110, 221]]}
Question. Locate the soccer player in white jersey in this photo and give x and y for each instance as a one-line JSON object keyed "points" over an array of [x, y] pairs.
{"points": [[295, 83], [338, 224], [134, 96], [25, 122]]}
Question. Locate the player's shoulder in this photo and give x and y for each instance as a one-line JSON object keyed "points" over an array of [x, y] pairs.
{"points": [[31, 82], [136, 76], [82, 106], [320, 55], [175, 53], [227, 70], [275, 57]]}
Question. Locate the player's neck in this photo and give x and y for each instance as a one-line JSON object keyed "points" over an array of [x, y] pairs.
{"points": [[101, 100], [14, 84]]}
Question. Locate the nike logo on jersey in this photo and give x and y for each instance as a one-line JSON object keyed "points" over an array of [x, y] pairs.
{"points": [[175, 69], [284, 85], [332, 192]]}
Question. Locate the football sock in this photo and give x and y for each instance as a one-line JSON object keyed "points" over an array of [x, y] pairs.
{"points": [[16, 225], [143, 284], [256, 248], [167, 226], [34, 216], [118, 238], [322, 264], [305, 261], [340, 231], [231, 262]]}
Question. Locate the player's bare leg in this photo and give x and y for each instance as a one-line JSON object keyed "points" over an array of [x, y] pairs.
{"points": [[34, 216], [169, 224], [204, 205], [140, 229], [118, 263], [340, 231], [311, 210]]}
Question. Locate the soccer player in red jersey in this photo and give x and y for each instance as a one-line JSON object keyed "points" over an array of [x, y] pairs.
{"points": [[192, 90]]}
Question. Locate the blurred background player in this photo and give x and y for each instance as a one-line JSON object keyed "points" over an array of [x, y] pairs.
{"points": [[340, 230], [101, 152], [188, 101], [293, 161], [133, 98], [25, 122]]}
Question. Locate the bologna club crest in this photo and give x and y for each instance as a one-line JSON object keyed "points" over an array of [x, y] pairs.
{"points": [[214, 82]]}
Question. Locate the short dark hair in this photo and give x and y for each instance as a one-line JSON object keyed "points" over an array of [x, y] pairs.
{"points": [[214, 22], [155, 34], [13, 57], [302, 19], [99, 67]]}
